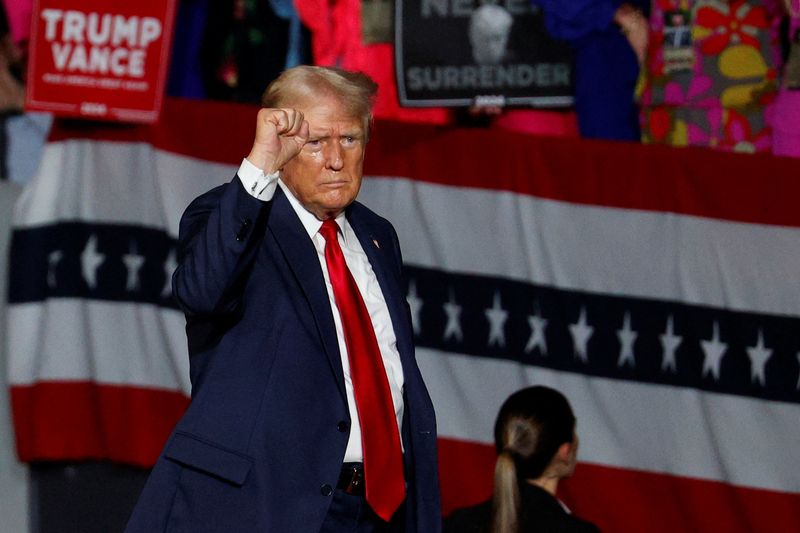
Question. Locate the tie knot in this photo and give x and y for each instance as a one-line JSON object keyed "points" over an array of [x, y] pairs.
{"points": [[329, 230]]}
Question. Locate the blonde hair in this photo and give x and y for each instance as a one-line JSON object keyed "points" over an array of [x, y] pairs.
{"points": [[519, 439], [305, 84], [530, 427]]}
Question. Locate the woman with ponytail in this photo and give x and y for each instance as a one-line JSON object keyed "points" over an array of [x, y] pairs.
{"points": [[536, 448]]}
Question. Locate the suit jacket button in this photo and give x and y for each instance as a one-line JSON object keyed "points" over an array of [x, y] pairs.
{"points": [[326, 490], [342, 426]]}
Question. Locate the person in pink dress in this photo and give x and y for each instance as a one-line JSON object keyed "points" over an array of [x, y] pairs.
{"points": [[785, 118]]}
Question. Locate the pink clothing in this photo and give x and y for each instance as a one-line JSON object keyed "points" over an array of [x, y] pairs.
{"points": [[552, 123], [330, 27], [19, 19], [786, 124], [335, 27], [786, 110]]}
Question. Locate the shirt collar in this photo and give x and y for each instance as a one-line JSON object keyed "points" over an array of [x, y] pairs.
{"points": [[310, 222]]}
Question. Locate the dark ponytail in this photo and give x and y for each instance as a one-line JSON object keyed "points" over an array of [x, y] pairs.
{"points": [[532, 424]]}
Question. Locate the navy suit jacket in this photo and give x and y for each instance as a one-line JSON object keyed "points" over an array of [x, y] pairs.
{"points": [[262, 443]]}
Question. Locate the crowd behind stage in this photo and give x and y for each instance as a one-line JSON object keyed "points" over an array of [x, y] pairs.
{"points": [[723, 74]]}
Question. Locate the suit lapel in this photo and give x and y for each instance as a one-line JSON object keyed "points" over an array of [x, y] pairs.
{"points": [[301, 256], [383, 263]]}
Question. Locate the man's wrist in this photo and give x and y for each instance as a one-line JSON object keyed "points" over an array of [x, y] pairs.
{"points": [[628, 18], [257, 183]]}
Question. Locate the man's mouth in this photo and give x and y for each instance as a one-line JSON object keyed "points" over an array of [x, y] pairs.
{"points": [[335, 184]]}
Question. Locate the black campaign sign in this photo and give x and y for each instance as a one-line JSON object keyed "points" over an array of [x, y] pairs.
{"points": [[459, 52]]}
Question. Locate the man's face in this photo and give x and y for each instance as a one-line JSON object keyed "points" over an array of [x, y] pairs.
{"points": [[490, 46], [326, 175]]}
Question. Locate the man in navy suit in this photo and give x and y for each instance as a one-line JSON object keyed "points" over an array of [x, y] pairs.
{"points": [[277, 433]]}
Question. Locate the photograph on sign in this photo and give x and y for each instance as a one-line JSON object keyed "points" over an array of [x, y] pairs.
{"points": [[459, 52], [100, 60]]}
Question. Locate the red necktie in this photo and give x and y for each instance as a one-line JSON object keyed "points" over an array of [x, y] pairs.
{"points": [[380, 439]]}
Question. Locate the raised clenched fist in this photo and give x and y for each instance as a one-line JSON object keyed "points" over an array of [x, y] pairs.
{"points": [[280, 135]]}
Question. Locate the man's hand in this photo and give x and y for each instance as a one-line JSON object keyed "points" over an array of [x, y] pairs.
{"points": [[636, 28], [280, 135], [790, 9]]}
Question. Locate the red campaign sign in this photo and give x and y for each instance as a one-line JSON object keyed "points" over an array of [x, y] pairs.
{"points": [[99, 59]]}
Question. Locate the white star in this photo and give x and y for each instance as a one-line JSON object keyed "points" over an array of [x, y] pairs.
{"points": [[91, 261], [133, 262], [537, 324], [453, 326], [626, 337], [759, 355], [670, 343], [415, 303], [714, 350], [581, 331], [497, 317], [53, 258], [169, 268]]}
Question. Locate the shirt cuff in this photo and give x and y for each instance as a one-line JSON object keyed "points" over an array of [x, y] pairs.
{"points": [[258, 184]]}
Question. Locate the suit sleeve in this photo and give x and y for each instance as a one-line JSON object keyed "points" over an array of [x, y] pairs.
{"points": [[218, 238]]}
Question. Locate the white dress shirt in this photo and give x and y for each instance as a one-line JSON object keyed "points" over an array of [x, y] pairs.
{"points": [[263, 186]]}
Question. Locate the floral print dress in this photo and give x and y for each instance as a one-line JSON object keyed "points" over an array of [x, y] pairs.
{"points": [[711, 74]]}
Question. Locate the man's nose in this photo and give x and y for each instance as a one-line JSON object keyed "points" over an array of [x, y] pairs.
{"points": [[333, 156]]}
